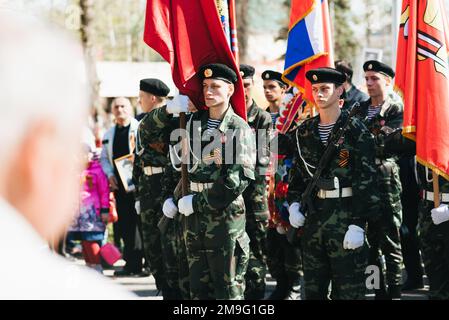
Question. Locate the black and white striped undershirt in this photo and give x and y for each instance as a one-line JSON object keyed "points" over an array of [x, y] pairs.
{"points": [[274, 116], [325, 130], [373, 111], [211, 125]]}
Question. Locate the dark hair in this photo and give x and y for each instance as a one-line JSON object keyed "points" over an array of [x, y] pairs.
{"points": [[346, 68]]}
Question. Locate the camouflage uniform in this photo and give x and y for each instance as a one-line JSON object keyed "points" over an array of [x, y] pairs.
{"points": [[173, 244], [152, 151], [217, 244], [383, 233], [174, 249], [434, 238], [324, 258], [256, 203]]}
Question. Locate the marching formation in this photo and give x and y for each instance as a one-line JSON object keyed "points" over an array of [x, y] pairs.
{"points": [[318, 206]]}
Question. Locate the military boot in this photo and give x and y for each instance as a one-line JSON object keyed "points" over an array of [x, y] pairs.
{"points": [[294, 293], [394, 292], [413, 284]]}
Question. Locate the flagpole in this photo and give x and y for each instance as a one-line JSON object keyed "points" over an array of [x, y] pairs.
{"points": [[436, 189], [184, 153]]}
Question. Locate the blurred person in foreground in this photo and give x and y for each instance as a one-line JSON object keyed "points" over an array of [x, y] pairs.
{"points": [[40, 133]]}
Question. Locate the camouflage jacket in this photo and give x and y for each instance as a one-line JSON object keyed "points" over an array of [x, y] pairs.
{"points": [[353, 164], [256, 194], [389, 117], [261, 124], [229, 179], [152, 147]]}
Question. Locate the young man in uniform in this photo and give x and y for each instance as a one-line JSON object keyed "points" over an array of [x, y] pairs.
{"points": [[381, 115], [333, 238]]}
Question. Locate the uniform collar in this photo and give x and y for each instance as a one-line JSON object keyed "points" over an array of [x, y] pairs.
{"points": [[252, 112], [227, 117]]}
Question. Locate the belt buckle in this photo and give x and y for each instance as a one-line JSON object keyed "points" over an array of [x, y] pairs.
{"points": [[321, 194]]}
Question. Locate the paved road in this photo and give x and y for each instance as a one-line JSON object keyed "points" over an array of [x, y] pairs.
{"points": [[145, 288]]}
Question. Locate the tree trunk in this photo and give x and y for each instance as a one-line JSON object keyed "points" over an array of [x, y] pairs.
{"points": [[87, 31], [241, 12]]}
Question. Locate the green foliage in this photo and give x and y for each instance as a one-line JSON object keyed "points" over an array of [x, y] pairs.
{"points": [[345, 44]]}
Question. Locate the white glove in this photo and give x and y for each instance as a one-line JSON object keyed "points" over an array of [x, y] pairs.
{"points": [[137, 206], [296, 217], [179, 104], [185, 205], [354, 237], [169, 208], [440, 214]]}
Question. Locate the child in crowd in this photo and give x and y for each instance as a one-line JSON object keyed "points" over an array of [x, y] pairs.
{"points": [[90, 223]]}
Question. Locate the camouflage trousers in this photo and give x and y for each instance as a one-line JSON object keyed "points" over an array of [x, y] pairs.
{"points": [[257, 265], [257, 215], [171, 251], [435, 250], [175, 260], [218, 260], [283, 259], [383, 233], [324, 259], [151, 212]]}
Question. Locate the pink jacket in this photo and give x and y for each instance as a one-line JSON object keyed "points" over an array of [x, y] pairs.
{"points": [[95, 189], [94, 196]]}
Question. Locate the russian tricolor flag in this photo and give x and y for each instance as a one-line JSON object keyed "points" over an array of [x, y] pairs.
{"points": [[309, 43]]}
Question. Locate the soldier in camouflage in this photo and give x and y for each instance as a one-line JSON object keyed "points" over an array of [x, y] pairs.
{"points": [[333, 239], [283, 259], [213, 215], [217, 244], [381, 114], [434, 233], [151, 158], [173, 245], [255, 196]]}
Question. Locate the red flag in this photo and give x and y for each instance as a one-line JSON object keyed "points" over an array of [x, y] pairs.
{"points": [[189, 34], [422, 79]]}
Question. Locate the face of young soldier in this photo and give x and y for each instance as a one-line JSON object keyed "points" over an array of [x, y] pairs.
{"points": [[326, 94], [273, 91], [146, 101], [376, 83], [216, 92], [248, 85]]}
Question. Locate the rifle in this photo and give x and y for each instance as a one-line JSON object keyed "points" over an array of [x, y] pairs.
{"points": [[307, 206]]}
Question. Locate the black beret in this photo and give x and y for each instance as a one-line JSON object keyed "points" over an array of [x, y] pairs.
{"points": [[344, 67], [274, 75], [326, 75], [247, 71], [154, 86], [377, 66], [217, 71]]}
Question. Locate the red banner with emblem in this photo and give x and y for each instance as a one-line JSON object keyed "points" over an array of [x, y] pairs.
{"points": [[189, 34], [422, 79]]}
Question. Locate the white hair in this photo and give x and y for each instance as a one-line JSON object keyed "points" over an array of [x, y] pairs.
{"points": [[42, 78]]}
